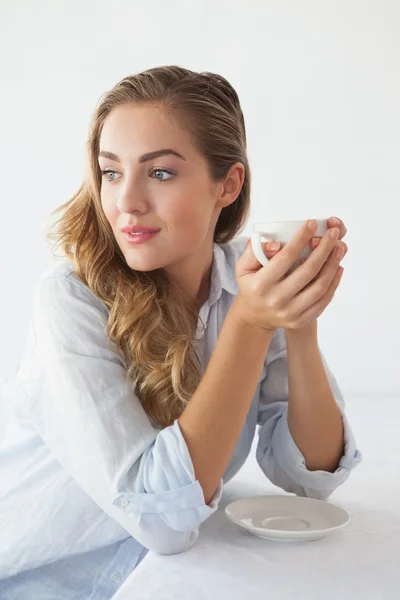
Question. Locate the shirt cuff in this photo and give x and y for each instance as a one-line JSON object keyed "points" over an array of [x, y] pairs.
{"points": [[184, 498], [169, 487], [291, 460]]}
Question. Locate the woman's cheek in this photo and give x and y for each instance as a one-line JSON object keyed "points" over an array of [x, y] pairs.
{"points": [[110, 210], [187, 222]]}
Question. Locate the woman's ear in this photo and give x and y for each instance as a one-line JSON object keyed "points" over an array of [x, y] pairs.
{"points": [[231, 185]]}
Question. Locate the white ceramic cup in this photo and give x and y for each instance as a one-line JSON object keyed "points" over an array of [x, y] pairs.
{"points": [[282, 231]]}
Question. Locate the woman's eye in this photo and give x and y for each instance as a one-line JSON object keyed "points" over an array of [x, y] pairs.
{"points": [[108, 172], [158, 173]]}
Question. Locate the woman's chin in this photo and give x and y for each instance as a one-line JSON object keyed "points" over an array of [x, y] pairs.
{"points": [[141, 264]]}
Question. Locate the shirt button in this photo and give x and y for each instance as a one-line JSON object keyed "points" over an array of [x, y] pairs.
{"points": [[123, 502], [116, 577]]}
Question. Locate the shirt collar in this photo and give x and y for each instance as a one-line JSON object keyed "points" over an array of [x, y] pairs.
{"points": [[223, 275]]}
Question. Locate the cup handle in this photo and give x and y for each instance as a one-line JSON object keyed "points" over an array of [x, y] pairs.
{"points": [[257, 248]]}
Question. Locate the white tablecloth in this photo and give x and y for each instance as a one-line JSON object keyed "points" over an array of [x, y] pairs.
{"points": [[360, 562]]}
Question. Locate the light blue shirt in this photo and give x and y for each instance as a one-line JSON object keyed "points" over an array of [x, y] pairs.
{"points": [[87, 482]]}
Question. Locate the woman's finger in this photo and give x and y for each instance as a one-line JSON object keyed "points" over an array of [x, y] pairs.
{"points": [[305, 273], [269, 248], [318, 287], [281, 263], [336, 222], [249, 263], [332, 222], [315, 311], [338, 244]]}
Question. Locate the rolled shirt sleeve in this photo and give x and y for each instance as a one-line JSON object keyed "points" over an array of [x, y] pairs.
{"points": [[277, 453], [87, 414], [175, 495]]}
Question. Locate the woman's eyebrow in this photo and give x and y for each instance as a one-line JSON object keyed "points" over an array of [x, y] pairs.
{"points": [[144, 157]]}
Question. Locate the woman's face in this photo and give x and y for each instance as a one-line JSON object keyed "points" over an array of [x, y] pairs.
{"points": [[172, 193]]}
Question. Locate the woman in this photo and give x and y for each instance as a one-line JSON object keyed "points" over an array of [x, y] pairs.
{"points": [[124, 427]]}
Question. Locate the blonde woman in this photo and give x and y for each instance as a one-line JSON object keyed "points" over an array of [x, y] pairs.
{"points": [[156, 347]]}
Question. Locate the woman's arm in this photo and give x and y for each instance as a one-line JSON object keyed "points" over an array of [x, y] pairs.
{"points": [[277, 453], [80, 402], [313, 415], [212, 421]]}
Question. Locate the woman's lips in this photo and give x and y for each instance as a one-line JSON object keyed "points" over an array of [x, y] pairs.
{"points": [[139, 238]]}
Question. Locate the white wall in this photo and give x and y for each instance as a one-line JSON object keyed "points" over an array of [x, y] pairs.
{"points": [[319, 85]]}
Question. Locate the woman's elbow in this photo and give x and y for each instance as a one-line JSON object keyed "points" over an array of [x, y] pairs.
{"points": [[174, 542], [317, 494], [156, 535]]}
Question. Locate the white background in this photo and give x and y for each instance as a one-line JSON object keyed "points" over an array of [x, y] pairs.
{"points": [[319, 86]]}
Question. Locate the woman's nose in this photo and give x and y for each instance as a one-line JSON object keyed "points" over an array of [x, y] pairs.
{"points": [[131, 200]]}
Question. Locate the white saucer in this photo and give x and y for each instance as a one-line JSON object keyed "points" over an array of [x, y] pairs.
{"points": [[287, 518]]}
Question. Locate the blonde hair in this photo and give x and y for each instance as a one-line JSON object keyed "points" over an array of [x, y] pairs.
{"points": [[151, 321]]}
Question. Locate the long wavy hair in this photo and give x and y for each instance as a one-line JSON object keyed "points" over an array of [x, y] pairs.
{"points": [[152, 321]]}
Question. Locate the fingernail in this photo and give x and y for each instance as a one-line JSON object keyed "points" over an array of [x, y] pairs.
{"points": [[334, 233], [273, 245], [335, 221], [312, 224]]}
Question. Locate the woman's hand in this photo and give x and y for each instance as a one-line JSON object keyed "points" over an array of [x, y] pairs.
{"points": [[268, 298], [332, 222]]}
